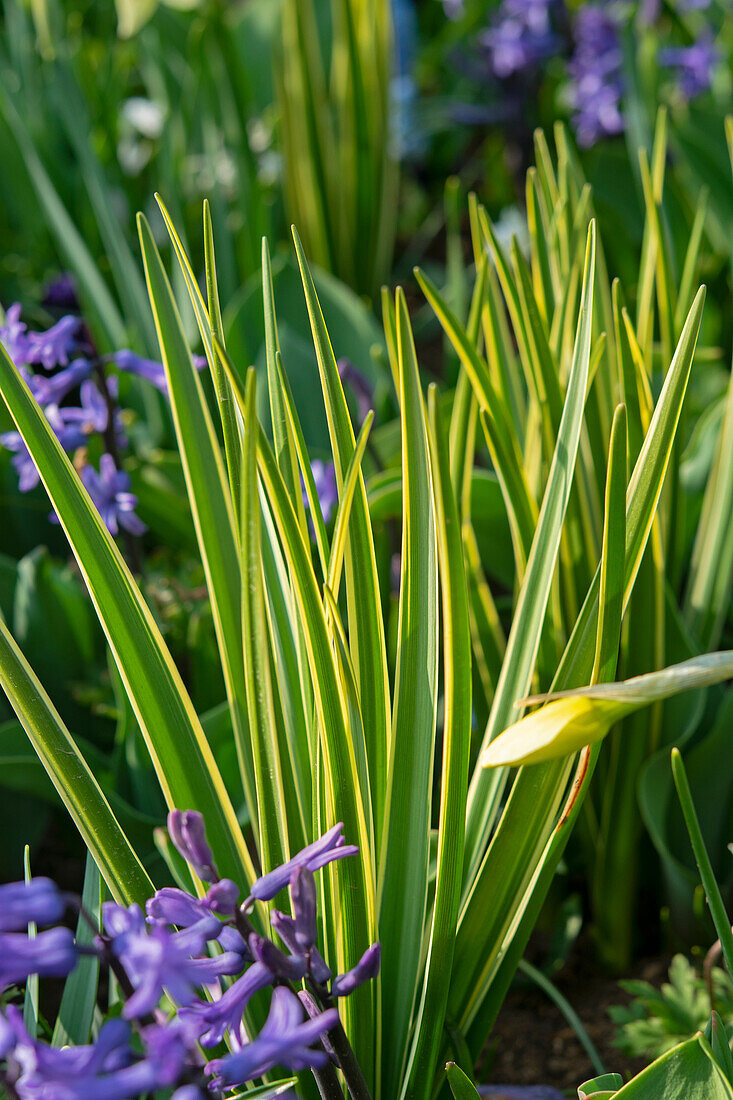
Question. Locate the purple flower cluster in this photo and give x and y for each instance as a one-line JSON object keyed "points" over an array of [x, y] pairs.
{"points": [[693, 65], [521, 37], [596, 77], [66, 353], [182, 945]]}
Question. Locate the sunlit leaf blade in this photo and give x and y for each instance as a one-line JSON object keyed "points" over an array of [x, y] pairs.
{"points": [[426, 1045], [524, 638], [271, 804], [366, 627], [352, 882], [183, 761], [208, 494], [403, 872], [71, 776], [511, 862], [460, 1085]]}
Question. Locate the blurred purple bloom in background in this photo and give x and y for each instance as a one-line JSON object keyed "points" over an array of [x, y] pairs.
{"points": [[110, 492], [61, 293], [454, 9], [596, 80], [50, 953], [693, 65], [520, 37], [22, 902], [324, 475]]}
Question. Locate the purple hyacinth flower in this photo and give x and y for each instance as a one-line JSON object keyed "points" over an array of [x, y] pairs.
{"points": [[329, 847], [50, 954], [284, 1040], [187, 831], [54, 347], [149, 369], [359, 385], [211, 1020], [520, 38], [69, 436], [288, 967], [303, 896], [596, 76], [92, 415], [51, 391], [324, 476], [173, 906], [111, 496], [157, 959], [13, 334], [365, 970], [285, 928], [61, 293], [39, 901], [693, 65]]}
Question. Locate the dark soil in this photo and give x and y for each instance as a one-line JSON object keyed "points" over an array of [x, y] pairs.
{"points": [[532, 1042]]}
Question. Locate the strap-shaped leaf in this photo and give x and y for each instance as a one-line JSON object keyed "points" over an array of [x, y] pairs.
{"points": [[403, 872], [524, 638], [271, 803], [366, 627], [183, 761], [454, 777], [208, 494]]}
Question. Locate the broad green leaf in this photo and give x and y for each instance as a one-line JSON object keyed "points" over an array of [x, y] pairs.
{"points": [[183, 761], [687, 1072], [423, 1060], [71, 776], [600, 1088], [461, 1086], [403, 870]]}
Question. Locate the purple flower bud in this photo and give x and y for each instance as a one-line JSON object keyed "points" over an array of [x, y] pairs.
{"points": [[187, 831], [284, 1040], [280, 965], [38, 901], [50, 954], [222, 896], [329, 847], [366, 969], [285, 928], [303, 894]]}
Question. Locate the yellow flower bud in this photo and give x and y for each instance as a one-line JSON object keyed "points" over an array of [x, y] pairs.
{"points": [[560, 728]]}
